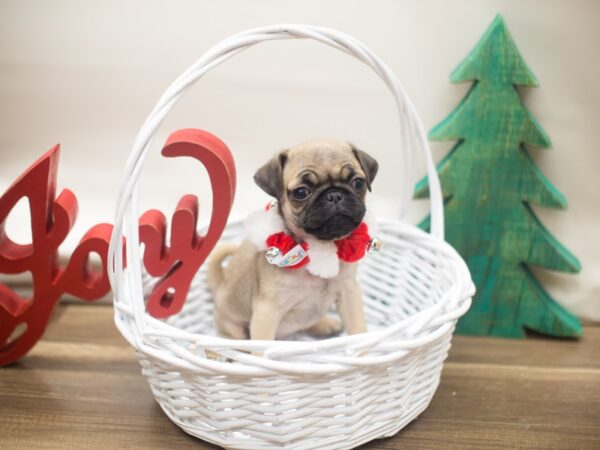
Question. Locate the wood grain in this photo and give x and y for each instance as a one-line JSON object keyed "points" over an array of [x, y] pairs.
{"points": [[490, 181], [81, 388]]}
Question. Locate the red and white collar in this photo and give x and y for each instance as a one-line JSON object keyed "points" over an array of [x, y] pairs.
{"points": [[266, 230]]}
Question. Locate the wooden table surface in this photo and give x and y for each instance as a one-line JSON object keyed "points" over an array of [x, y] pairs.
{"points": [[81, 387]]}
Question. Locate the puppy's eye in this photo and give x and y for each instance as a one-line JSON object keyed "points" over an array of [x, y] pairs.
{"points": [[358, 184], [300, 193]]}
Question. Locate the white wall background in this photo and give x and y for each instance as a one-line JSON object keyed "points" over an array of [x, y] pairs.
{"points": [[86, 74]]}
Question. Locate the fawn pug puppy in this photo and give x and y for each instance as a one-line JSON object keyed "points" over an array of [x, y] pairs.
{"points": [[320, 187]]}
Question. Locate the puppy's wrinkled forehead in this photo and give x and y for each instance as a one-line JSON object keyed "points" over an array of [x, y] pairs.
{"points": [[317, 162]]}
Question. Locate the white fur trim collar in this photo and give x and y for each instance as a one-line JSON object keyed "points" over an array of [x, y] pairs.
{"points": [[261, 224]]}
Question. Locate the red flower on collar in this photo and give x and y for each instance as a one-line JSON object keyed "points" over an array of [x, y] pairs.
{"points": [[354, 247], [284, 242]]}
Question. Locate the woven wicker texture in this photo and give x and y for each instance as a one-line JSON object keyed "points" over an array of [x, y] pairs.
{"points": [[300, 394]]}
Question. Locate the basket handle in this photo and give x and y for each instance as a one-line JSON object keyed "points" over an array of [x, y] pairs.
{"points": [[126, 214]]}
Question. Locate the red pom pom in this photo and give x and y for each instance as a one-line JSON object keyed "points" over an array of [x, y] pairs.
{"points": [[354, 247], [284, 242]]}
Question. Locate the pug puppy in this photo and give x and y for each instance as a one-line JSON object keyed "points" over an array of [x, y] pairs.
{"points": [[320, 188]]}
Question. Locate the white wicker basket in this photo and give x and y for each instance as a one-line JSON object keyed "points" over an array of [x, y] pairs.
{"points": [[329, 394]]}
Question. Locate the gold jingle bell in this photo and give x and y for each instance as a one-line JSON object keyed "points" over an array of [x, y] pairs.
{"points": [[375, 244]]}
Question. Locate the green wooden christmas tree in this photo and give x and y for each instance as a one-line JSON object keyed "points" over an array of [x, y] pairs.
{"points": [[489, 182]]}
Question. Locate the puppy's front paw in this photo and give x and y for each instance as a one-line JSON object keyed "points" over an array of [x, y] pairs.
{"points": [[326, 326]]}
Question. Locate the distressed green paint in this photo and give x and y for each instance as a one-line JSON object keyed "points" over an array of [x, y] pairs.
{"points": [[489, 181]]}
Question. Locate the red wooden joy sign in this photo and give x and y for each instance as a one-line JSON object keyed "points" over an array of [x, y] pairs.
{"points": [[24, 320]]}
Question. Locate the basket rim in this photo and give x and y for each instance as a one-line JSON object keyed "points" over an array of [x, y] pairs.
{"points": [[435, 320]]}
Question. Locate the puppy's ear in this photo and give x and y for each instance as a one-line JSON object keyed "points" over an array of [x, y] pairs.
{"points": [[270, 176], [368, 164]]}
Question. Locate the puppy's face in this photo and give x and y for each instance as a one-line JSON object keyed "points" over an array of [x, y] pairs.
{"points": [[320, 187]]}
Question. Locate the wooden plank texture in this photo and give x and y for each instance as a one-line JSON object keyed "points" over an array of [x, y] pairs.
{"points": [[81, 387], [489, 182]]}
